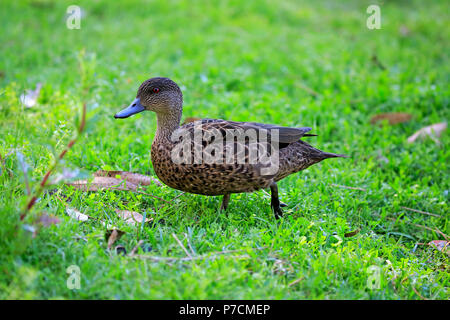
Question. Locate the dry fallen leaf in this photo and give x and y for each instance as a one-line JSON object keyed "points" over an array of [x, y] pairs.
{"points": [[100, 183], [112, 236], [434, 132], [441, 245], [132, 217], [352, 233], [29, 98], [391, 117], [135, 178], [77, 215]]}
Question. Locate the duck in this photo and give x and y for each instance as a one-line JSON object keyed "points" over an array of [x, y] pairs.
{"points": [[216, 157]]}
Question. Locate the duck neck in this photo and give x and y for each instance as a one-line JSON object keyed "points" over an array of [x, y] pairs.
{"points": [[167, 123]]}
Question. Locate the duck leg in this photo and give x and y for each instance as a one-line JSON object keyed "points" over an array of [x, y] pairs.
{"points": [[282, 204], [225, 200], [274, 201]]}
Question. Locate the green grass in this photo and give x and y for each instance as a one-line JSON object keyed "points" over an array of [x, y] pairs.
{"points": [[243, 61]]}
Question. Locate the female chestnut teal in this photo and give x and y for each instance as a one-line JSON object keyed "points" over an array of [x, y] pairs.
{"points": [[221, 174]]}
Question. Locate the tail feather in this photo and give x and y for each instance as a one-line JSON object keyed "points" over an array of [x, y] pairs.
{"points": [[334, 155], [319, 154]]}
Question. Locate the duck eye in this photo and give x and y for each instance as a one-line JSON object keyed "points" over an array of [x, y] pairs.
{"points": [[155, 90]]}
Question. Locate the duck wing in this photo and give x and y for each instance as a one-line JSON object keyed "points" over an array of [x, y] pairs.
{"points": [[286, 135]]}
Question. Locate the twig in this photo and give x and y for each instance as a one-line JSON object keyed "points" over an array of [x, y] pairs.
{"points": [[346, 187], [417, 292], [181, 245], [136, 247], [44, 181], [431, 229], [307, 89], [170, 201], [423, 227], [296, 281], [423, 212]]}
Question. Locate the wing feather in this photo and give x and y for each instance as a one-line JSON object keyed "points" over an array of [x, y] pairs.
{"points": [[285, 134]]}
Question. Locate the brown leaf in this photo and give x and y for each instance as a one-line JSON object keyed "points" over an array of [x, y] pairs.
{"points": [[100, 183], [112, 236], [391, 117], [352, 233], [135, 178], [136, 247], [441, 245], [434, 132], [132, 217]]}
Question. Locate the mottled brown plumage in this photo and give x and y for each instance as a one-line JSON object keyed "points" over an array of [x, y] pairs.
{"points": [[220, 177]]}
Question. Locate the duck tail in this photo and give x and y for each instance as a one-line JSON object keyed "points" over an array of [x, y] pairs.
{"points": [[320, 155], [309, 135], [327, 155]]}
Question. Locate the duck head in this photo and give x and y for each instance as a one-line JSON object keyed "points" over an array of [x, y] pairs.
{"points": [[160, 95]]}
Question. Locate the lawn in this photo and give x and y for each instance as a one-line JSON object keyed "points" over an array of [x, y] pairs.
{"points": [[292, 63]]}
